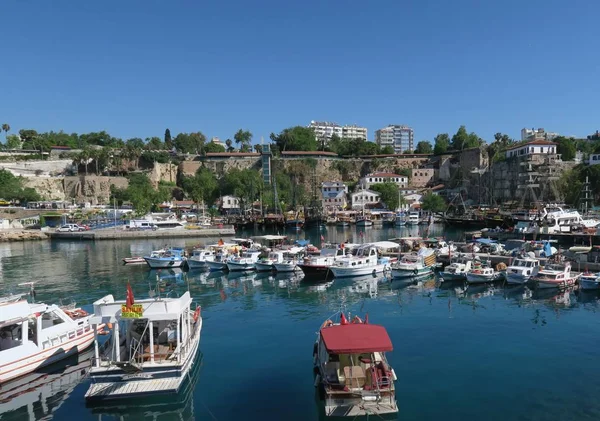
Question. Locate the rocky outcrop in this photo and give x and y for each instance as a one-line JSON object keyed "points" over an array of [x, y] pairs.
{"points": [[93, 189], [50, 188], [21, 235], [163, 172]]}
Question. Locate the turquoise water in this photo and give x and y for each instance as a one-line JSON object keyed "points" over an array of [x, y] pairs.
{"points": [[487, 353]]}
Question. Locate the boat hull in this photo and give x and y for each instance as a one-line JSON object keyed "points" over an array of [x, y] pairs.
{"points": [[216, 266], [411, 273], [589, 284], [239, 267], [345, 272], [134, 260], [158, 263], [451, 276], [473, 278], [517, 279], [264, 267], [197, 264], [316, 271], [285, 267], [364, 223], [548, 284]]}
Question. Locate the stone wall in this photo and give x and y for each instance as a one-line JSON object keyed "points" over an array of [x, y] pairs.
{"points": [[94, 189], [219, 166], [50, 188], [163, 172], [39, 168]]}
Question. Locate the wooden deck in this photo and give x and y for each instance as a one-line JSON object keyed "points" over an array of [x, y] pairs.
{"points": [[121, 234], [133, 388]]}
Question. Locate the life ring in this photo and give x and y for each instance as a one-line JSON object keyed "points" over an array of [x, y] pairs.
{"points": [[357, 320], [416, 271], [327, 323]]}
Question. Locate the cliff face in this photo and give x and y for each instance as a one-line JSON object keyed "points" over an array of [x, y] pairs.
{"points": [[93, 189], [50, 188], [163, 172]]}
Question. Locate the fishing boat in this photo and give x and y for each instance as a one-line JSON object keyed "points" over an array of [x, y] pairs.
{"points": [[291, 259], [413, 218], [457, 269], [364, 221], [136, 260], [245, 261], [400, 219], [589, 281], [365, 261], [415, 265], [318, 265], [480, 274], [155, 352], [555, 276], [219, 263], [172, 257], [521, 270], [35, 335], [351, 369], [199, 258], [343, 222], [265, 264]]}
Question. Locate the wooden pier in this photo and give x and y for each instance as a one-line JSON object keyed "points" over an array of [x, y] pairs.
{"points": [[122, 234]]}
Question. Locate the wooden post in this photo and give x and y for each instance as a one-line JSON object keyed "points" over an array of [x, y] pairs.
{"points": [[150, 326], [117, 343], [96, 350]]}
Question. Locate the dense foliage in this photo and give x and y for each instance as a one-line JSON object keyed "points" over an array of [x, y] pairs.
{"points": [[11, 188], [141, 194], [388, 193], [433, 202]]}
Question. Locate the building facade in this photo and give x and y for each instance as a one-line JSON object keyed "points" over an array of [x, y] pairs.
{"points": [[324, 131], [400, 137], [229, 203], [363, 198], [383, 177], [537, 134], [532, 148], [333, 195], [421, 177]]}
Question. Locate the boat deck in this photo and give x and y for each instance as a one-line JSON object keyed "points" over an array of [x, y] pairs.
{"points": [[135, 388]]}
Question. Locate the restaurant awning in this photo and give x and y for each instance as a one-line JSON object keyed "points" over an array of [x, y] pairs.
{"points": [[356, 338]]}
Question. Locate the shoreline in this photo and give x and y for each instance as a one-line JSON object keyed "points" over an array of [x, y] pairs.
{"points": [[121, 234]]}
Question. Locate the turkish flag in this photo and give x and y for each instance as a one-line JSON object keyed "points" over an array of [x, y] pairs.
{"points": [[130, 300]]}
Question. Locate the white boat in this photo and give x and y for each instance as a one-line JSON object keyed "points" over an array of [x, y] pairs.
{"points": [[351, 369], [365, 261], [219, 262], [245, 261], [521, 270], [318, 266], [413, 218], [589, 281], [457, 269], [34, 335], [172, 257], [480, 274], [555, 219], [555, 276], [400, 219], [265, 264], [292, 257], [415, 265], [153, 354], [136, 260], [164, 221], [199, 258], [364, 221]]}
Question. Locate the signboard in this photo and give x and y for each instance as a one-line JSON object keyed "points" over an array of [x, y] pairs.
{"points": [[135, 311]]}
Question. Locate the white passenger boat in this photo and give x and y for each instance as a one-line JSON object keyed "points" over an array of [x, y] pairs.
{"points": [[153, 345], [415, 265], [290, 261], [199, 258], [364, 221], [589, 281], [172, 257], [265, 264], [413, 218], [245, 261], [400, 219], [555, 276], [521, 270], [457, 269], [480, 274], [219, 262], [365, 261], [34, 335], [351, 369]]}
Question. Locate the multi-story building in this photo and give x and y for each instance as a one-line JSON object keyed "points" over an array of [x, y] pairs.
{"points": [[400, 137], [364, 198], [531, 148], [421, 177], [383, 177], [324, 130], [595, 136], [537, 134], [218, 141], [333, 195]]}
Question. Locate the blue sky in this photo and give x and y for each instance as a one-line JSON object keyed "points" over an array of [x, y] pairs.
{"points": [[134, 68]]}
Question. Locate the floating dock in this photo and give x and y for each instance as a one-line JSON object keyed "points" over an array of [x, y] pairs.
{"points": [[121, 234]]}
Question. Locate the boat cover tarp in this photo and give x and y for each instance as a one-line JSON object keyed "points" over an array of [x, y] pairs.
{"points": [[356, 338], [485, 241], [302, 243]]}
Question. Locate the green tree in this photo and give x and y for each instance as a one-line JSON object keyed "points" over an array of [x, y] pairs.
{"points": [[168, 140], [5, 129], [243, 138], [229, 144], [13, 141], [202, 187], [441, 143], [424, 147], [141, 194], [29, 138], [135, 143], [463, 140], [154, 144], [191, 143], [296, 138], [433, 202], [258, 148], [11, 188], [213, 147], [388, 193], [566, 147], [387, 150]]}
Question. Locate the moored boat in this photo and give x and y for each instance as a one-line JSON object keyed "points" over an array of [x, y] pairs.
{"points": [[365, 261], [413, 218], [136, 260], [480, 274], [521, 270], [265, 264], [245, 261], [291, 259], [415, 265], [555, 276], [589, 281], [457, 269], [318, 266], [199, 258], [172, 257], [351, 368]]}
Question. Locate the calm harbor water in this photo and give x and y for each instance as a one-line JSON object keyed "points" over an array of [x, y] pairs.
{"points": [[485, 353]]}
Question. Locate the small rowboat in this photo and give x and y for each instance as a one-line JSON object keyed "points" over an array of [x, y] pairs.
{"points": [[137, 260]]}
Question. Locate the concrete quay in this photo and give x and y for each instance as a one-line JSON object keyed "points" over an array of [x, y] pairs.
{"points": [[121, 234]]}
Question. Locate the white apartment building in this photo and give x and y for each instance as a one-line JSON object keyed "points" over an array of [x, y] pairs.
{"points": [[532, 148], [324, 130], [230, 202], [218, 141], [333, 195], [383, 177], [362, 198], [594, 159], [398, 136], [537, 134]]}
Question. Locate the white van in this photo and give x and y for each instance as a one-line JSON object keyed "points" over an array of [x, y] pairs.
{"points": [[141, 224]]}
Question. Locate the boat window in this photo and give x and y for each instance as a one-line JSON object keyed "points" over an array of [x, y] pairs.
{"points": [[51, 319], [10, 336]]}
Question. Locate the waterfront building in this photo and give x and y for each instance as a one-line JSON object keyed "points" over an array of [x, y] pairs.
{"points": [[383, 177], [229, 203], [537, 134], [364, 198], [398, 136], [333, 195], [535, 147], [324, 131]]}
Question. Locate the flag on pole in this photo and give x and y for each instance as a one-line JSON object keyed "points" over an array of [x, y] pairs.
{"points": [[130, 300]]}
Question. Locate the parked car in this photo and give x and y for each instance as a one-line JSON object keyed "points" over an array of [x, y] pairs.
{"points": [[70, 228]]}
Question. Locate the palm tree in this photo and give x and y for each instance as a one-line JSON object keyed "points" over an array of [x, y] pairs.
{"points": [[5, 129], [228, 142], [84, 157]]}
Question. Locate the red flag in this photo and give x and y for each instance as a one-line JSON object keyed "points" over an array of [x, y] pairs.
{"points": [[366, 319], [343, 320], [130, 300]]}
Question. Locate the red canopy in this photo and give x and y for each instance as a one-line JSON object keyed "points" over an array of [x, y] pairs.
{"points": [[356, 338]]}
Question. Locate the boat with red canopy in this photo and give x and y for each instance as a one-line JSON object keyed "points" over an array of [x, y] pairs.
{"points": [[351, 368]]}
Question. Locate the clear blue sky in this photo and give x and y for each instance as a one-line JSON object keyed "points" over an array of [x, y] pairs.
{"points": [[134, 67]]}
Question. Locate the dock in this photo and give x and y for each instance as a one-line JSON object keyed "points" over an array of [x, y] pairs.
{"points": [[129, 389], [122, 234]]}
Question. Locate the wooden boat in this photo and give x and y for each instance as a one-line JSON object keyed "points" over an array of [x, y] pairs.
{"points": [[351, 370], [589, 281], [318, 266], [154, 354], [457, 269], [137, 260], [415, 265], [480, 274], [555, 276], [245, 261], [265, 264], [521, 270], [172, 257], [365, 262]]}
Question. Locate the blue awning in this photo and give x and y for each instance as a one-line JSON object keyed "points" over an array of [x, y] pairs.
{"points": [[485, 241]]}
